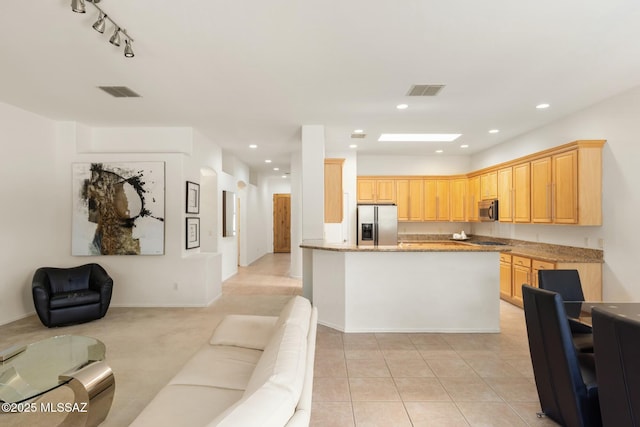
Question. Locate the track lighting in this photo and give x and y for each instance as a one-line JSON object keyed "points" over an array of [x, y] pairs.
{"points": [[78, 6], [115, 38], [128, 51], [99, 25]]}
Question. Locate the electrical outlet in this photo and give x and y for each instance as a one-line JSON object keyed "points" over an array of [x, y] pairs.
{"points": [[586, 242], [601, 243], [175, 286]]}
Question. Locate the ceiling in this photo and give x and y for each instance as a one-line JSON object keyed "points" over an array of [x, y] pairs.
{"points": [[252, 72]]}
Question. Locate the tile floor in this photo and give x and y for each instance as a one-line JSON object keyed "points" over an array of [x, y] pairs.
{"points": [[360, 379]]}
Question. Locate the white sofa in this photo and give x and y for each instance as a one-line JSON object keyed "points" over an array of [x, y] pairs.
{"points": [[255, 371]]}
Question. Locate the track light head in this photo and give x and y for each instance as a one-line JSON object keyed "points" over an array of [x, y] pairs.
{"points": [[115, 38], [78, 6], [100, 24], [128, 51]]}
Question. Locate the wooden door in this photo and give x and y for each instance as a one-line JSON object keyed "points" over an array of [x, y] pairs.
{"points": [[489, 185], [430, 208], [442, 200], [541, 190], [281, 223], [522, 193], [333, 195], [505, 195], [565, 188]]}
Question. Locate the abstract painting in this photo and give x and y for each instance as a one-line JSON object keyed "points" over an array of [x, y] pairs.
{"points": [[118, 208]]}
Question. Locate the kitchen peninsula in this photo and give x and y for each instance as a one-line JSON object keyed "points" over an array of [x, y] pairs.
{"points": [[445, 286]]}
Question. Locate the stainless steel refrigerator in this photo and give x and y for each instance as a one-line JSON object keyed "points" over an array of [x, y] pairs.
{"points": [[377, 225]]}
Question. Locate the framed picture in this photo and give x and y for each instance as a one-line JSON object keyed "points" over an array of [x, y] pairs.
{"points": [[193, 197], [193, 233], [118, 208]]}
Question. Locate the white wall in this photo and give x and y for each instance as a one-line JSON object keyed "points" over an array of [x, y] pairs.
{"points": [[616, 120], [37, 202], [412, 165]]}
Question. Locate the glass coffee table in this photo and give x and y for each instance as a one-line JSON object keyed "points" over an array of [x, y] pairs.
{"points": [[29, 372]]}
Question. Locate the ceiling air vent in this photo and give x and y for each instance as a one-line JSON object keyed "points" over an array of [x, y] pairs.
{"points": [[119, 91], [358, 135], [424, 90]]}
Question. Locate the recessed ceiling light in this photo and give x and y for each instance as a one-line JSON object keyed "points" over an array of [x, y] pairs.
{"points": [[402, 106], [494, 131], [276, 169], [464, 146], [353, 146], [542, 106], [284, 176], [267, 161], [439, 151], [253, 146], [358, 131], [419, 137]]}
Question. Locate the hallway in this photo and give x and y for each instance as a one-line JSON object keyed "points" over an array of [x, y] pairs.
{"points": [[269, 275]]}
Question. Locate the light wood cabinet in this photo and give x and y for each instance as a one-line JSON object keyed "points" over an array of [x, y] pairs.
{"points": [[436, 200], [505, 194], [521, 274], [564, 188], [522, 193], [409, 198], [473, 199], [525, 270], [458, 199], [537, 265], [541, 190], [333, 206], [505, 276], [376, 190], [489, 185]]}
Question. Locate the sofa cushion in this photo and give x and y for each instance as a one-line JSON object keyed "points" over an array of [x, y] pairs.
{"points": [[283, 361], [73, 298], [186, 405], [244, 331], [69, 279], [224, 367], [269, 406]]}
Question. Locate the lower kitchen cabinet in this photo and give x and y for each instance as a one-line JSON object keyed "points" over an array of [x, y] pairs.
{"points": [[516, 270]]}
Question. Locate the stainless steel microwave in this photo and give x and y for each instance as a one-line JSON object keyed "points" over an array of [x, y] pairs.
{"points": [[488, 210]]}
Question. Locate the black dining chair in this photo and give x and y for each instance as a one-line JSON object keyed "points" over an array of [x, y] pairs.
{"points": [[617, 349], [565, 379], [567, 284]]}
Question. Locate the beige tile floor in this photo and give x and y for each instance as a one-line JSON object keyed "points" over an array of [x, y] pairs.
{"points": [[360, 379]]}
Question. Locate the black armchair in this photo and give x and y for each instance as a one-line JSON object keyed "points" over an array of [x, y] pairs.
{"points": [[617, 346], [565, 379], [65, 296], [567, 284]]}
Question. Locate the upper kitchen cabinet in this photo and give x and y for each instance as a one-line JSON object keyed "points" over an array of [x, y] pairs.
{"points": [[505, 194], [566, 185], [473, 197], [514, 193], [522, 192], [489, 185], [436, 200], [409, 198], [333, 208], [376, 190], [458, 199]]}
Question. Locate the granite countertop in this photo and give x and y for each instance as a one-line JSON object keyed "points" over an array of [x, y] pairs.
{"points": [[541, 251], [444, 243]]}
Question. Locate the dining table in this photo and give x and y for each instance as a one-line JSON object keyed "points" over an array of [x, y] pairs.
{"points": [[580, 311]]}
